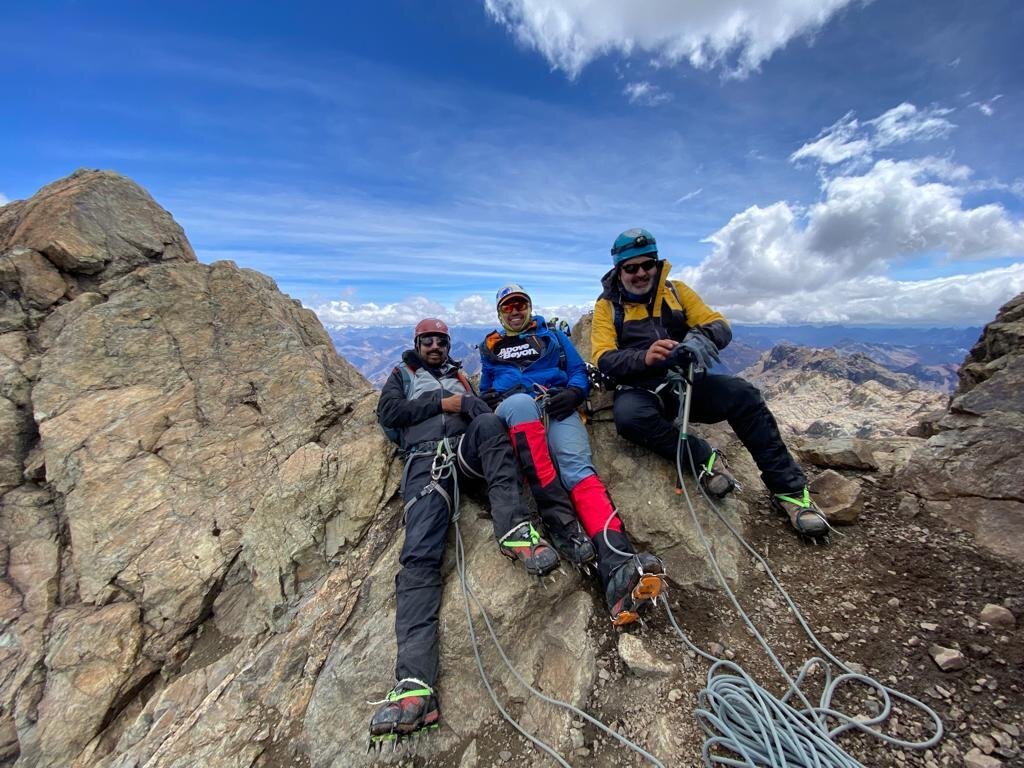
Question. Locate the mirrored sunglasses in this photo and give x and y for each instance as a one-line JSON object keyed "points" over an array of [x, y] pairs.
{"points": [[435, 341], [512, 305], [646, 266]]}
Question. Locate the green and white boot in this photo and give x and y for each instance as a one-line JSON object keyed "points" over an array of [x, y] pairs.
{"points": [[715, 477], [802, 512]]}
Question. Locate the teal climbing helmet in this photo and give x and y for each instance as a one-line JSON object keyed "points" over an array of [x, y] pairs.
{"points": [[632, 243]]}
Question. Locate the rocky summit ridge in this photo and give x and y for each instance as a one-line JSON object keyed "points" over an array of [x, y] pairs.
{"points": [[200, 524]]}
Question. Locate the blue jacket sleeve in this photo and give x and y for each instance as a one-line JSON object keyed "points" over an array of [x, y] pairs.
{"points": [[486, 374], [575, 368]]}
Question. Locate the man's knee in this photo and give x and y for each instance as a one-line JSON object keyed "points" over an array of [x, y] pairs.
{"points": [[488, 426], [518, 408], [744, 397], [632, 416], [419, 575]]}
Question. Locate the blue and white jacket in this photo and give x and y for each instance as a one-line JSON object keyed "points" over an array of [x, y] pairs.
{"points": [[548, 370]]}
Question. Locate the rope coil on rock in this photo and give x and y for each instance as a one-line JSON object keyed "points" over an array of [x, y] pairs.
{"points": [[740, 716]]}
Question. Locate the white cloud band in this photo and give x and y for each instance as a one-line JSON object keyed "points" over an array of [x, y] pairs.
{"points": [[736, 36]]}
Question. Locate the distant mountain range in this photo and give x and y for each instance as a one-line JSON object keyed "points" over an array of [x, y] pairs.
{"points": [[929, 357]]}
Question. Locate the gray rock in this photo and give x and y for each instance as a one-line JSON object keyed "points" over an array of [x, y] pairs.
{"points": [[975, 758], [997, 616], [640, 660], [968, 472], [839, 498], [947, 659]]}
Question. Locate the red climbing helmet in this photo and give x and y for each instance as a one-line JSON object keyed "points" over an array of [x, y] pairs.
{"points": [[429, 325]]}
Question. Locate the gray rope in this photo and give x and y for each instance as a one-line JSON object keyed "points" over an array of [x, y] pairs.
{"points": [[738, 715], [445, 470]]}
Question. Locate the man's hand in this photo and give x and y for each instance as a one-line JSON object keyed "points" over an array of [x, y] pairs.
{"points": [[451, 404], [658, 352], [473, 406], [701, 349], [563, 402], [492, 397]]}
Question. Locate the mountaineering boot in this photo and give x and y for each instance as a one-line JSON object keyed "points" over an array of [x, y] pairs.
{"points": [[803, 513], [523, 543], [715, 477], [530, 442], [572, 543], [633, 588], [409, 707]]}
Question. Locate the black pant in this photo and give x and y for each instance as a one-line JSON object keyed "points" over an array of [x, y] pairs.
{"points": [[485, 451], [646, 419]]}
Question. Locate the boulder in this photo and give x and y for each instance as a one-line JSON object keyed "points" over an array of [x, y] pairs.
{"points": [[839, 498], [997, 616], [94, 223], [969, 470]]}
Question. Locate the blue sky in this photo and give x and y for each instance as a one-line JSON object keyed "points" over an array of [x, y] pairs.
{"points": [[798, 160]]}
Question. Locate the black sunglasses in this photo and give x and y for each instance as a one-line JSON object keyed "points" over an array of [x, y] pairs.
{"points": [[646, 266], [435, 341]]}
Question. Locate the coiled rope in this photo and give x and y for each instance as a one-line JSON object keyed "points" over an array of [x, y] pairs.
{"points": [[738, 715]]}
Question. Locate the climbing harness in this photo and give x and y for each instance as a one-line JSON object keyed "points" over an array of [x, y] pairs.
{"points": [[740, 717], [442, 469]]}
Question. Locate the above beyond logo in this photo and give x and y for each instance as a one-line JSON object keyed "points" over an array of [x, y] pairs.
{"points": [[522, 350]]}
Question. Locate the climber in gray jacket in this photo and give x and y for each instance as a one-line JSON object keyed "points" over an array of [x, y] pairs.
{"points": [[427, 398]]}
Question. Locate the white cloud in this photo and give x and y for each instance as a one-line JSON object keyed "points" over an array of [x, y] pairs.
{"points": [[985, 107], [736, 36], [470, 310], [908, 123], [4, 200], [849, 139], [689, 195], [645, 93], [956, 300], [836, 144], [778, 259]]}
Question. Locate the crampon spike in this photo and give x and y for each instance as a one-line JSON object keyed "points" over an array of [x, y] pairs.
{"points": [[624, 618], [649, 587]]}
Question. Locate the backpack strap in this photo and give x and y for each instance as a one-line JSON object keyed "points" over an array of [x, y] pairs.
{"points": [[619, 312], [555, 326], [465, 382]]}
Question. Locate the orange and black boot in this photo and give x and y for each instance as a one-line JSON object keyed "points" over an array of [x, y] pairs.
{"points": [[633, 588], [409, 707], [530, 442], [524, 544]]}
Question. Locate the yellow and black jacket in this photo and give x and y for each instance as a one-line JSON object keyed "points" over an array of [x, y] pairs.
{"points": [[672, 311]]}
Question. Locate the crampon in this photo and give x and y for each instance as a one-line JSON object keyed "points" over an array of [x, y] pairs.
{"points": [[525, 545], [805, 517], [715, 477], [409, 709], [575, 546], [634, 587]]}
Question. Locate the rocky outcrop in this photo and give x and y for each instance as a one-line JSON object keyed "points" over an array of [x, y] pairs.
{"points": [[199, 520], [969, 471], [822, 393], [157, 415]]}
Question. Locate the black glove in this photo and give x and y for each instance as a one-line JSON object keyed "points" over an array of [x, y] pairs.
{"points": [[563, 402], [473, 406], [695, 347], [492, 397]]}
